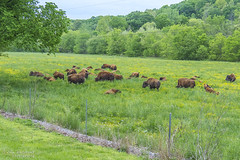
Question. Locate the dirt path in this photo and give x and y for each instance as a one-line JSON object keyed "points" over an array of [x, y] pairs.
{"points": [[84, 138]]}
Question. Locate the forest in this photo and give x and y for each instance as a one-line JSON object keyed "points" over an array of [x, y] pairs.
{"points": [[189, 30]]}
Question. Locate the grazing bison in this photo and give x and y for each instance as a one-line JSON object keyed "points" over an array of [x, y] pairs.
{"points": [[210, 89], [144, 77], [134, 74], [49, 78], [71, 71], [153, 83], [84, 72], [105, 66], [75, 67], [37, 74], [104, 76], [89, 67], [76, 78], [113, 67], [57, 75], [112, 91], [185, 82], [118, 76], [231, 77], [162, 78]]}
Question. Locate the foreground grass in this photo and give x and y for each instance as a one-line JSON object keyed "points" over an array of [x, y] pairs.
{"points": [[21, 139], [202, 123]]}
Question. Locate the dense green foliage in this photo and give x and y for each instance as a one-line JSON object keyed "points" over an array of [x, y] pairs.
{"points": [[25, 24], [22, 139], [188, 30], [138, 116]]}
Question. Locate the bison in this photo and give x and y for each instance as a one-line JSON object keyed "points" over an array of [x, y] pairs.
{"points": [[71, 71], [231, 77], [105, 66], [104, 76], [84, 72], [113, 67], [144, 77], [75, 67], [210, 89], [76, 78], [57, 75], [112, 91], [49, 78], [185, 82], [37, 74], [134, 74], [162, 78], [153, 83], [89, 67], [118, 76]]}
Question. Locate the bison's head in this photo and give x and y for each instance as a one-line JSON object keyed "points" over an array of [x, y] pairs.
{"points": [[145, 84], [96, 79], [31, 73], [192, 83]]}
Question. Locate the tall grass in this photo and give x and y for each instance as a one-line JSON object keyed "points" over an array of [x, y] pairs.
{"points": [[138, 113]]}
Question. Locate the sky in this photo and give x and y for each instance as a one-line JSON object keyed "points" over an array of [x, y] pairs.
{"points": [[85, 9]]}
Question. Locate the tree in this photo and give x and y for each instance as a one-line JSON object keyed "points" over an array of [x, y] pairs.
{"points": [[216, 47], [97, 45], [80, 42], [115, 42], [162, 20], [31, 25]]}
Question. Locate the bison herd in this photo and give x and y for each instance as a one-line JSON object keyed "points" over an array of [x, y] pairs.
{"points": [[104, 75]]}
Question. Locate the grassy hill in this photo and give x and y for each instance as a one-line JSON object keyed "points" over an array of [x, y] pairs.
{"points": [[203, 124], [21, 139]]}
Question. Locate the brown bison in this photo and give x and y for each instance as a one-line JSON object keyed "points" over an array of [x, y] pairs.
{"points": [[105, 66], [118, 76], [134, 74], [76, 78], [71, 71], [104, 76], [185, 82], [231, 77], [210, 89], [89, 67], [113, 67], [49, 78], [152, 83], [112, 91], [144, 77], [84, 72], [57, 75], [37, 74], [162, 78], [75, 67]]}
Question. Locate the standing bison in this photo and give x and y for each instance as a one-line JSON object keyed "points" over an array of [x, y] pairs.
{"points": [[185, 82], [231, 77], [152, 83], [104, 76], [76, 78]]}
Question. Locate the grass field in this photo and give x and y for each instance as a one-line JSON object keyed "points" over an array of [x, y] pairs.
{"points": [[203, 124], [21, 139]]}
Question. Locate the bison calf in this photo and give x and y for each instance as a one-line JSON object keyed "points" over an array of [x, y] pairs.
{"points": [[49, 79], [209, 89], [152, 83]]}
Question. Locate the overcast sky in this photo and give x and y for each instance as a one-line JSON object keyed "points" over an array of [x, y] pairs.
{"points": [[85, 9]]}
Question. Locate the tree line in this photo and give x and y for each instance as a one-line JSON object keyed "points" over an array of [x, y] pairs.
{"points": [[189, 30]]}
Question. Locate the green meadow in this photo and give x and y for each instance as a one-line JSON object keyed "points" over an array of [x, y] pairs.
{"points": [[204, 125], [22, 139]]}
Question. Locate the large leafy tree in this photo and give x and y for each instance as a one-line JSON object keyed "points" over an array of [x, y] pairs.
{"points": [[30, 25]]}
